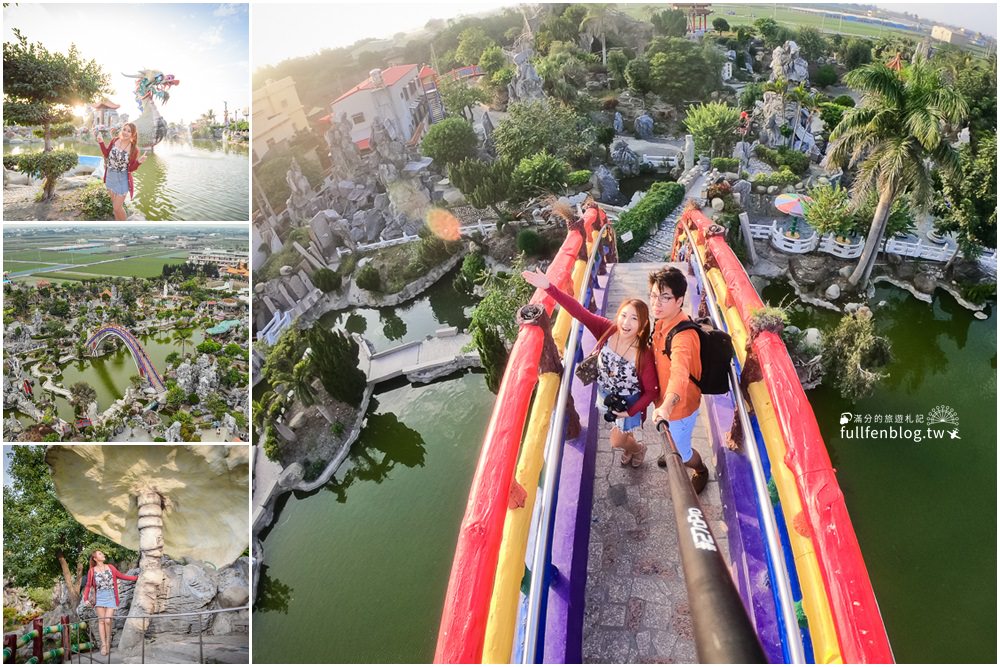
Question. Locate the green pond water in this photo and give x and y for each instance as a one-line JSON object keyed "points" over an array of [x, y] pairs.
{"points": [[111, 373], [369, 555], [924, 512], [182, 180]]}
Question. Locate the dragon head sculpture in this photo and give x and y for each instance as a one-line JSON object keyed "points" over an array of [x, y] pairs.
{"points": [[152, 84]]}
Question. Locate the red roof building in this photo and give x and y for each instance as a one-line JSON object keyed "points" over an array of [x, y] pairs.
{"points": [[394, 94]]}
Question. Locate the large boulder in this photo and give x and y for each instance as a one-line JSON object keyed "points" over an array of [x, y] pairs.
{"points": [[604, 186], [644, 127]]}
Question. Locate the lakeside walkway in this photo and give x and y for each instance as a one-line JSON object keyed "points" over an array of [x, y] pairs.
{"points": [[636, 600]]}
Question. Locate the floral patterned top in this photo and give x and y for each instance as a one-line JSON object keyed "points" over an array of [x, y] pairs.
{"points": [[616, 374], [118, 159], [104, 580]]}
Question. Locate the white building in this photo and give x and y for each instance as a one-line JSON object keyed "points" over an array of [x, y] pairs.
{"points": [[221, 258], [394, 94]]}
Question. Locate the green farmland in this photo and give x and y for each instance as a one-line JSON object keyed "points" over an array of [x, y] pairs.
{"points": [[15, 266], [139, 267]]}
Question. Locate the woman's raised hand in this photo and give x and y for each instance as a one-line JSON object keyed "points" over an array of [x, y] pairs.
{"points": [[536, 279], [142, 158]]}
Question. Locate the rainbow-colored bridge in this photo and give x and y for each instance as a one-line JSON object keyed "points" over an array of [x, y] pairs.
{"points": [[142, 361], [520, 572]]}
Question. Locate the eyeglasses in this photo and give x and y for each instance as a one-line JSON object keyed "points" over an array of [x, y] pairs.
{"points": [[662, 298]]}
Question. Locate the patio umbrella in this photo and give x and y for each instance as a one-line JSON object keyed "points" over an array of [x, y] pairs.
{"points": [[792, 204]]}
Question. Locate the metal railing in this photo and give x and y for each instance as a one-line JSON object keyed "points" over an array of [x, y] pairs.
{"points": [[538, 591], [89, 625], [786, 605]]}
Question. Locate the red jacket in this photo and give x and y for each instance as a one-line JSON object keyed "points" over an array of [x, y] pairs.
{"points": [[132, 164], [114, 572], [598, 326]]}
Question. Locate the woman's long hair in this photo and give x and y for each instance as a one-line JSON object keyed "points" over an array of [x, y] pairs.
{"points": [[93, 563], [642, 338], [133, 151]]}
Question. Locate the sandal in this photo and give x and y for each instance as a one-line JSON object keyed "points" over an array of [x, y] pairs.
{"points": [[626, 457], [639, 456]]}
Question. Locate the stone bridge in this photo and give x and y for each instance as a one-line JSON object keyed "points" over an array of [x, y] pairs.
{"points": [[420, 361]]}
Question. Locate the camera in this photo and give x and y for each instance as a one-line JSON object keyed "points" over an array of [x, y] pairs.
{"points": [[614, 403]]}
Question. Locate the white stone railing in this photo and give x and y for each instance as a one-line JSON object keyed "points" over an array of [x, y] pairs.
{"points": [[660, 160], [988, 259], [465, 230], [920, 249]]}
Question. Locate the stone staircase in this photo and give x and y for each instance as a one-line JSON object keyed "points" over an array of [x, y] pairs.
{"points": [[659, 245]]}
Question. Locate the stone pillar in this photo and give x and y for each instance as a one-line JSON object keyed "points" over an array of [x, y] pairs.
{"points": [[147, 588], [688, 151], [748, 237]]}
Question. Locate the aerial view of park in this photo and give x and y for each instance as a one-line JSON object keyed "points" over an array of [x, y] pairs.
{"points": [[175, 84], [448, 202], [125, 336]]}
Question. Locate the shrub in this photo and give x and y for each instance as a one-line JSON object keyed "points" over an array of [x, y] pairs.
{"points": [[208, 347], [95, 202], [530, 243], [539, 174], [713, 125], [450, 141], [720, 190], [577, 179], [50, 166], [831, 114], [784, 157], [781, 178], [471, 272], [368, 278], [844, 100], [830, 210], [826, 75], [852, 355], [326, 280], [726, 163], [644, 217]]}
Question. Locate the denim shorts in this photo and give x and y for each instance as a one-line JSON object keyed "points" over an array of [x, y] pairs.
{"points": [[117, 182], [106, 598], [624, 424], [681, 430]]}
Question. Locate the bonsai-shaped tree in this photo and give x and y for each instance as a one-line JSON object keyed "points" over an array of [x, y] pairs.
{"points": [[186, 501], [40, 88]]}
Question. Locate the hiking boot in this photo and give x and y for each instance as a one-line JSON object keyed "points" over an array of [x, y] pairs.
{"points": [[699, 480]]}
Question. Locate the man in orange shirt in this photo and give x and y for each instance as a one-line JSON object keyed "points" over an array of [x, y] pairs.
{"points": [[680, 397]]}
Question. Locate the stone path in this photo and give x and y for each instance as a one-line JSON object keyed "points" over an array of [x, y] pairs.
{"points": [[265, 477], [658, 247], [636, 600]]}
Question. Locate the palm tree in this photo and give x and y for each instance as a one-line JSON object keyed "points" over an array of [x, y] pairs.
{"points": [[183, 336], [891, 138], [301, 381], [599, 15]]}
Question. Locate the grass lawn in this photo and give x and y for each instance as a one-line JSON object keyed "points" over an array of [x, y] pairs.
{"points": [[54, 278], [58, 256]]}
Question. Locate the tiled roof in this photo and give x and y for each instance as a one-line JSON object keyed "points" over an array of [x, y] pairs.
{"points": [[390, 76]]}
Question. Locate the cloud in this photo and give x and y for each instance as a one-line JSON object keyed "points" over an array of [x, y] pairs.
{"points": [[210, 38], [227, 9]]}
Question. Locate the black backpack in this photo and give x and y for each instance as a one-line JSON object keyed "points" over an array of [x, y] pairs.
{"points": [[716, 354]]}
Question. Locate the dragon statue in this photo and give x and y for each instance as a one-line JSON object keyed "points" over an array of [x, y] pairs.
{"points": [[151, 85]]}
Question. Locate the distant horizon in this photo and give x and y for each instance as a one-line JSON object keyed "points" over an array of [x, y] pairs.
{"points": [[382, 20]]}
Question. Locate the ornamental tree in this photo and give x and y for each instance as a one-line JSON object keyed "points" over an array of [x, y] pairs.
{"points": [[40, 88]]}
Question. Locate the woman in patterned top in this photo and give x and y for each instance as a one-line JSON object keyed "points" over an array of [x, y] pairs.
{"points": [[104, 580], [121, 158], [626, 367]]}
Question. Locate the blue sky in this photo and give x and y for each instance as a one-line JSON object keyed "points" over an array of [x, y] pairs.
{"points": [[206, 46]]}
